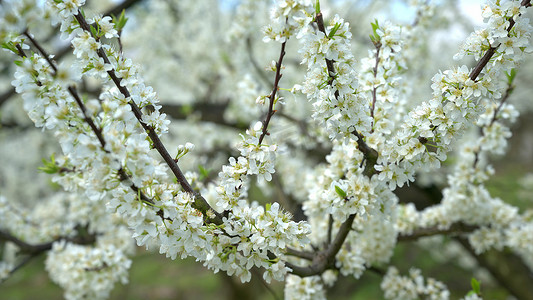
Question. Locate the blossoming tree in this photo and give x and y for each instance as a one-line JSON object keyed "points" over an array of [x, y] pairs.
{"points": [[325, 135]]}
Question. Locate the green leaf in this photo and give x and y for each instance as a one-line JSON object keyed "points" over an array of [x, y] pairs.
{"points": [[375, 26], [340, 192], [49, 167], [120, 22], [317, 7], [476, 287], [374, 37], [122, 19], [95, 30], [10, 46], [204, 173], [334, 30], [186, 109], [510, 76]]}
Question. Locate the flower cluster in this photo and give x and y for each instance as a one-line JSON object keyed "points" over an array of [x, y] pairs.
{"points": [[288, 17], [498, 16], [467, 199], [342, 189], [309, 288], [455, 106], [87, 272], [331, 91], [110, 153], [413, 286], [379, 139], [17, 15], [63, 221], [258, 231]]}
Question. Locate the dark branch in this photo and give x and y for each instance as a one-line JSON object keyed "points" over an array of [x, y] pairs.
{"points": [[26, 248], [254, 63], [199, 202], [374, 88], [96, 130], [116, 10], [272, 97], [507, 268], [488, 55], [457, 228], [329, 63], [301, 254], [324, 260]]}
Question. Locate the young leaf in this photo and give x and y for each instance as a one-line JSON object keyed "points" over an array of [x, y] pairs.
{"points": [[340, 192], [204, 173], [49, 167], [334, 30], [95, 31], [510, 76], [9, 46], [375, 38], [120, 22], [475, 286]]}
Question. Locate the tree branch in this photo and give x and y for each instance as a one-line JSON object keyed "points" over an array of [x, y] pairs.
{"points": [[199, 202], [272, 96], [19, 266], [377, 44], [507, 268], [301, 254], [488, 55], [324, 260], [370, 155], [254, 63], [329, 63], [114, 11], [96, 130], [33, 249], [456, 228]]}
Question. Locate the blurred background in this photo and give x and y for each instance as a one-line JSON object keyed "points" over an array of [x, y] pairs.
{"points": [[196, 55]]}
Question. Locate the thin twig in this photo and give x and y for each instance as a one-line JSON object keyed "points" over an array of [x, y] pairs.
{"points": [[301, 254], [96, 130], [41, 50], [266, 285], [329, 63], [199, 202], [330, 229], [258, 70], [272, 97], [374, 88], [508, 91], [65, 50], [27, 248], [488, 55], [26, 260], [325, 260], [457, 228]]}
